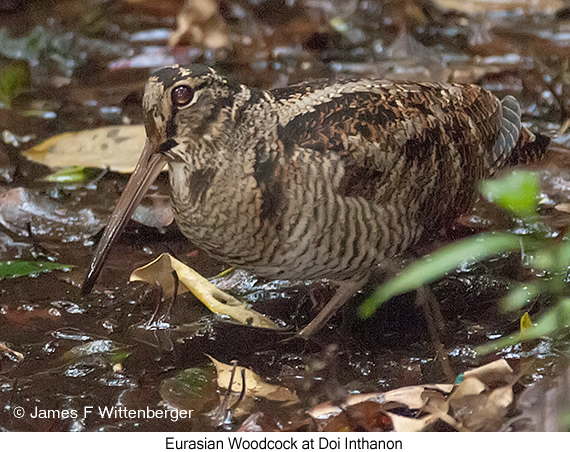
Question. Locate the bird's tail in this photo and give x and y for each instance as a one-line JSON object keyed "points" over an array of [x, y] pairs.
{"points": [[516, 145], [530, 147]]}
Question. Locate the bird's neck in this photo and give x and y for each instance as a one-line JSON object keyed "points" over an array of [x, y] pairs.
{"points": [[210, 191]]}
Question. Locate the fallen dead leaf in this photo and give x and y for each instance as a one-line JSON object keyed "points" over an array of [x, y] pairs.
{"points": [[160, 271], [409, 396], [468, 387], [365, 416], [483, 412], [409, 424], [479, 403], [199, 23], [13, 355], [117, 148], [492, 374], [255, 386], [564, 207], [357, 409], [475, 404]]}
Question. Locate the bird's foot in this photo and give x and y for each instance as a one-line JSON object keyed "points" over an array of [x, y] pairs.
{"points": [[345, 290]]}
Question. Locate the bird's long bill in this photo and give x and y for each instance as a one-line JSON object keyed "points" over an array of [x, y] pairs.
{"points": [[148, 168]]}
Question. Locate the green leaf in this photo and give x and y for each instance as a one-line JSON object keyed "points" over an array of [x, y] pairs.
{"points": [[520, 296], [14, 269], [564, 256], [517, 192], [69, 175], [435, 266], [544, 259], [118, 357], [192, 388], [13, 79]]}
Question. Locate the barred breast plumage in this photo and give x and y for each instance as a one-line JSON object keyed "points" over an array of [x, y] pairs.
{"points": [[322, 179]]}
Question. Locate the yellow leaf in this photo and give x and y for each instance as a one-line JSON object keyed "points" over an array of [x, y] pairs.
{"points": [[160, 271], [525, 322], [116, 147]]}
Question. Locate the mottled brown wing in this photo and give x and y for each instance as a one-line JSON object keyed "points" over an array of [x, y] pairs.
{"points": [[397, 140]]}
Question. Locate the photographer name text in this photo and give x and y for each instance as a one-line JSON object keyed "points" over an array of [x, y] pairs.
{"points": [[108, 412]]}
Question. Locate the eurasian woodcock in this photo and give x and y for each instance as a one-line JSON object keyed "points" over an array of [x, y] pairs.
{"points": [[324, 179]]}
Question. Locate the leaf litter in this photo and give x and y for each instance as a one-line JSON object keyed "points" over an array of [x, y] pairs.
{"points": [[479, 403]]}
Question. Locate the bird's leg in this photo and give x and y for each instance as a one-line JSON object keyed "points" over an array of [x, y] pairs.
{"points": [[346, 289]]}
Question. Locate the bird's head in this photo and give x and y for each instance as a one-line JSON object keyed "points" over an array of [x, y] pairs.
{"points": [[183, 107]]}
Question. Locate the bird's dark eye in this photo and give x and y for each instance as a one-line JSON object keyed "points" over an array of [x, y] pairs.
{"points": [[182, 95]]}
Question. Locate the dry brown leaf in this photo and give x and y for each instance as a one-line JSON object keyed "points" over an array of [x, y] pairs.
{"points": [[475, 382], [483, 412], [432, 397], [363, 417], [255, 386], [485, 6], [368, 417], [160, 271], [415, 397], [200, 24], [475, 404], [492, 374], [12, 354], [408, 424], [409, 396], [434, 401], [564, 207], [501, 398], [480, 402], [116, 147], [468, 387]]}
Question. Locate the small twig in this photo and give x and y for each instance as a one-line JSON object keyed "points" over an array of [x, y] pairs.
{"points": [[225, 412], [242, 393], [175, 293], [156, 317]]}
